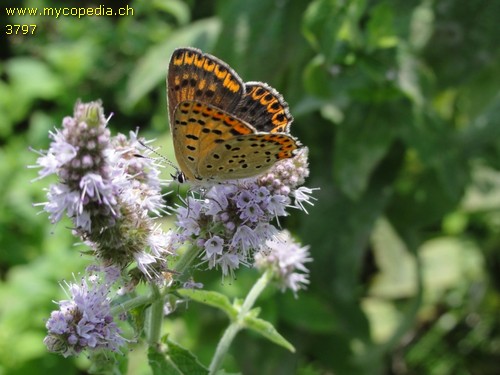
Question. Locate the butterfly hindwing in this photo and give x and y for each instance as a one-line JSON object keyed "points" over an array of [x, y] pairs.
{"points": [[247, 155], [264, 108]]}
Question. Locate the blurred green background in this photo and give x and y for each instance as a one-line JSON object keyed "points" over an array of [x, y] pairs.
{"points": [[399, 104]]}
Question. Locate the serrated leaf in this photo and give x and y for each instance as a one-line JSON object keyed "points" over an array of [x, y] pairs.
{"points": [[105, 362], [185, 361], [137, 317], [267, 330], [160, 364], [210, 298]]}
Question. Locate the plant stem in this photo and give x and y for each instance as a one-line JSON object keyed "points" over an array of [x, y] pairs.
{"points": [[223, 346], [130, 304], [239, 322], [155, 313], [157, 299], [255, 292], [186, 259], [155, 316]]}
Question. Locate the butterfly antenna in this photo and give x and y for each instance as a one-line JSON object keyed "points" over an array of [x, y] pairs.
{"points": [[178, 176]]}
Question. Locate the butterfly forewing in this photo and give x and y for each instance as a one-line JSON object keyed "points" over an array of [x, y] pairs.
{"points": [[198, 128], [193, 75]]}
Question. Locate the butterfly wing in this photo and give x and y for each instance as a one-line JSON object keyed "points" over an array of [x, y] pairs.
{"points": [[247, 155], [223, 128], [264, 108], [198, 129], [211, 144], [193, 75]]}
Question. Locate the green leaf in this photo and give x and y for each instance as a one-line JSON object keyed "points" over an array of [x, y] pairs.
{"points": [[362, 141], [247, 29], [160, 364], [381, 33], [408, 76], [152, 68], [185, 361], [422, 25], [176, 8], [174, 360], [299, 312], [331, 25], [213, 299], [322, 22], [137, 318], [267, 330], [29, 79], [106, 362], [478, 96], [397, 278]]}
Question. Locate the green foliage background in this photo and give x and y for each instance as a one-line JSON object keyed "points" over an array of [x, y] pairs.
{"points": [[399, 104]]}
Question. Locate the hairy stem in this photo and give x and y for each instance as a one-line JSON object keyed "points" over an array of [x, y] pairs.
{"points": [[239, 322], [155, 316]]}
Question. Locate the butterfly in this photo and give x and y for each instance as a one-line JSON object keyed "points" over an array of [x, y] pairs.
{"points": [[222, 128]]}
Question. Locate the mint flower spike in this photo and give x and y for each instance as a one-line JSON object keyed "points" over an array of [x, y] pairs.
{"points": [[108, 192], [84, 320], [230, 222], [286, 259]]}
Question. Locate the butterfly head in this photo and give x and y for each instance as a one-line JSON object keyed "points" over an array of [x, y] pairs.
{"points": [[179, 176]]}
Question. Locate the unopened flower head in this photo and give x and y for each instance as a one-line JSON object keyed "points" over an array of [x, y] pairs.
{"points": [[285, 258], [84, 321], [233, 220], [107, 190]]}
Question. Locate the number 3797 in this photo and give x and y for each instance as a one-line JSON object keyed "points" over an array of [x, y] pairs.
{"points": [[20, 29]]}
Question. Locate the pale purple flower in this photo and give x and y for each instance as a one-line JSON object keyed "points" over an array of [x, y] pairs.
{"points": [[286, 259], [244, 198], [63, 200], [233, 220], [277, 204], [84, 321], [245, 239], [214, 246], [303, 195], [228, 262], [107, 190], [251, 212]]}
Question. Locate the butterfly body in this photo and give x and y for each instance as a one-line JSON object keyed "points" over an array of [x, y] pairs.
{"points": [[224, 129]]}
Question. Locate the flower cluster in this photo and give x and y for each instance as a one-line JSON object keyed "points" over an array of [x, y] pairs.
{"points": [[107, 190], [110, 189], [232, 221], [84, 321], [286, 260]]}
